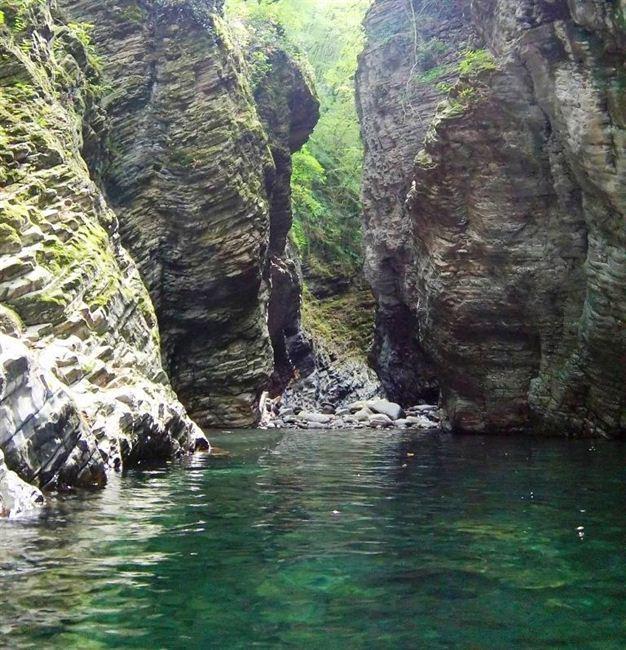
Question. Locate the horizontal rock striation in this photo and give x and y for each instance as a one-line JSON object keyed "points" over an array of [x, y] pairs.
{"points": [[82, 388], [189, 179], [396, 99], [288, 107], [512, 254]]}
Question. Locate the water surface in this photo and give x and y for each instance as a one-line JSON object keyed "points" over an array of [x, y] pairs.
{"points": [[332, 540]]}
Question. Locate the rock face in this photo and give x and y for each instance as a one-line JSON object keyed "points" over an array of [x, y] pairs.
{"points": [[16, 496], [190, 178], [395, 109], [82, 387], [507, 263], [289, 110]]}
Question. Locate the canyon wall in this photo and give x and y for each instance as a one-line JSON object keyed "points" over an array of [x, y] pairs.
{"points": [[82, 388], [190, 179], [494, 209], [143, 223]]}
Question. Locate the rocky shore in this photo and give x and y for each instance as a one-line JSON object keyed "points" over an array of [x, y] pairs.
{"points": [[362, 414]]}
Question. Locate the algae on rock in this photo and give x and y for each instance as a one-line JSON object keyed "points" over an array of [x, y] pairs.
{"points": [[81, 382], [507, 264]]}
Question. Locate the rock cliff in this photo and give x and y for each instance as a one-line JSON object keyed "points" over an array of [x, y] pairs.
{"points": [[289, 110], [494, 208], [190, 177], [144, 212], [81, 382]]}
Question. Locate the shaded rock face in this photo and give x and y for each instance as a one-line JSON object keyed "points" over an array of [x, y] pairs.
{"points": [[82, 388], [395, 110], [289, 110], [510, 252], [190, 179]]}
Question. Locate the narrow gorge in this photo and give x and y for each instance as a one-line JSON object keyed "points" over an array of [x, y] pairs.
{"points": [[151, 289], [312, 324]]}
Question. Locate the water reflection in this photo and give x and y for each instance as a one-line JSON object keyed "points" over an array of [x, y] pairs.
{"points": [[359, 539]]}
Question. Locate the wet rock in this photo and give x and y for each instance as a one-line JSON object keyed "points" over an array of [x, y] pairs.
{"points": [[16, 496], [379, 420], [390, 409]]}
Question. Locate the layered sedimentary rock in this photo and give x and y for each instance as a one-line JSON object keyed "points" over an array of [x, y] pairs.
{"points": [[189, 179], [510, 254], [82, 388], [396, 100], [289, 110]]}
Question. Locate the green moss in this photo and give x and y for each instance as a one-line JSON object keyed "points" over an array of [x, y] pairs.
{"points": [[475, 62], [10, 320], [102, 295], [15, 215], [344, 324], [433, 74], [133, 13], [9, 238], [424, 160]]}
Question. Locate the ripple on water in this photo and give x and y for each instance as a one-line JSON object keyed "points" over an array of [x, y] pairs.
{"points": [[339, 539]]}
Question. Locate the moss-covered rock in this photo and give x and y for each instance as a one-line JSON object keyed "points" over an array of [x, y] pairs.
{"points": [[81, 329], [189, 178], [505, 269]]}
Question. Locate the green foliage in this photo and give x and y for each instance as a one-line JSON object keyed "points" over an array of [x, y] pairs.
{"points": [[327, 172], [429, 53], [343, 323], [13, 13], [82, 31], [476, 61]]}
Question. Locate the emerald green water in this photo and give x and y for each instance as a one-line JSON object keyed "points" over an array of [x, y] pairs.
{"points": [[332, 540]]}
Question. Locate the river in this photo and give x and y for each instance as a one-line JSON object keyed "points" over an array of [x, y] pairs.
{"points": [[332, 539]]}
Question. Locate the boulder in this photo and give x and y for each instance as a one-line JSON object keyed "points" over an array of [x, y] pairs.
{"points": [[419, 422], [380, 420], [383, 406], [316, 418], [357, 406], [363, 415]]}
